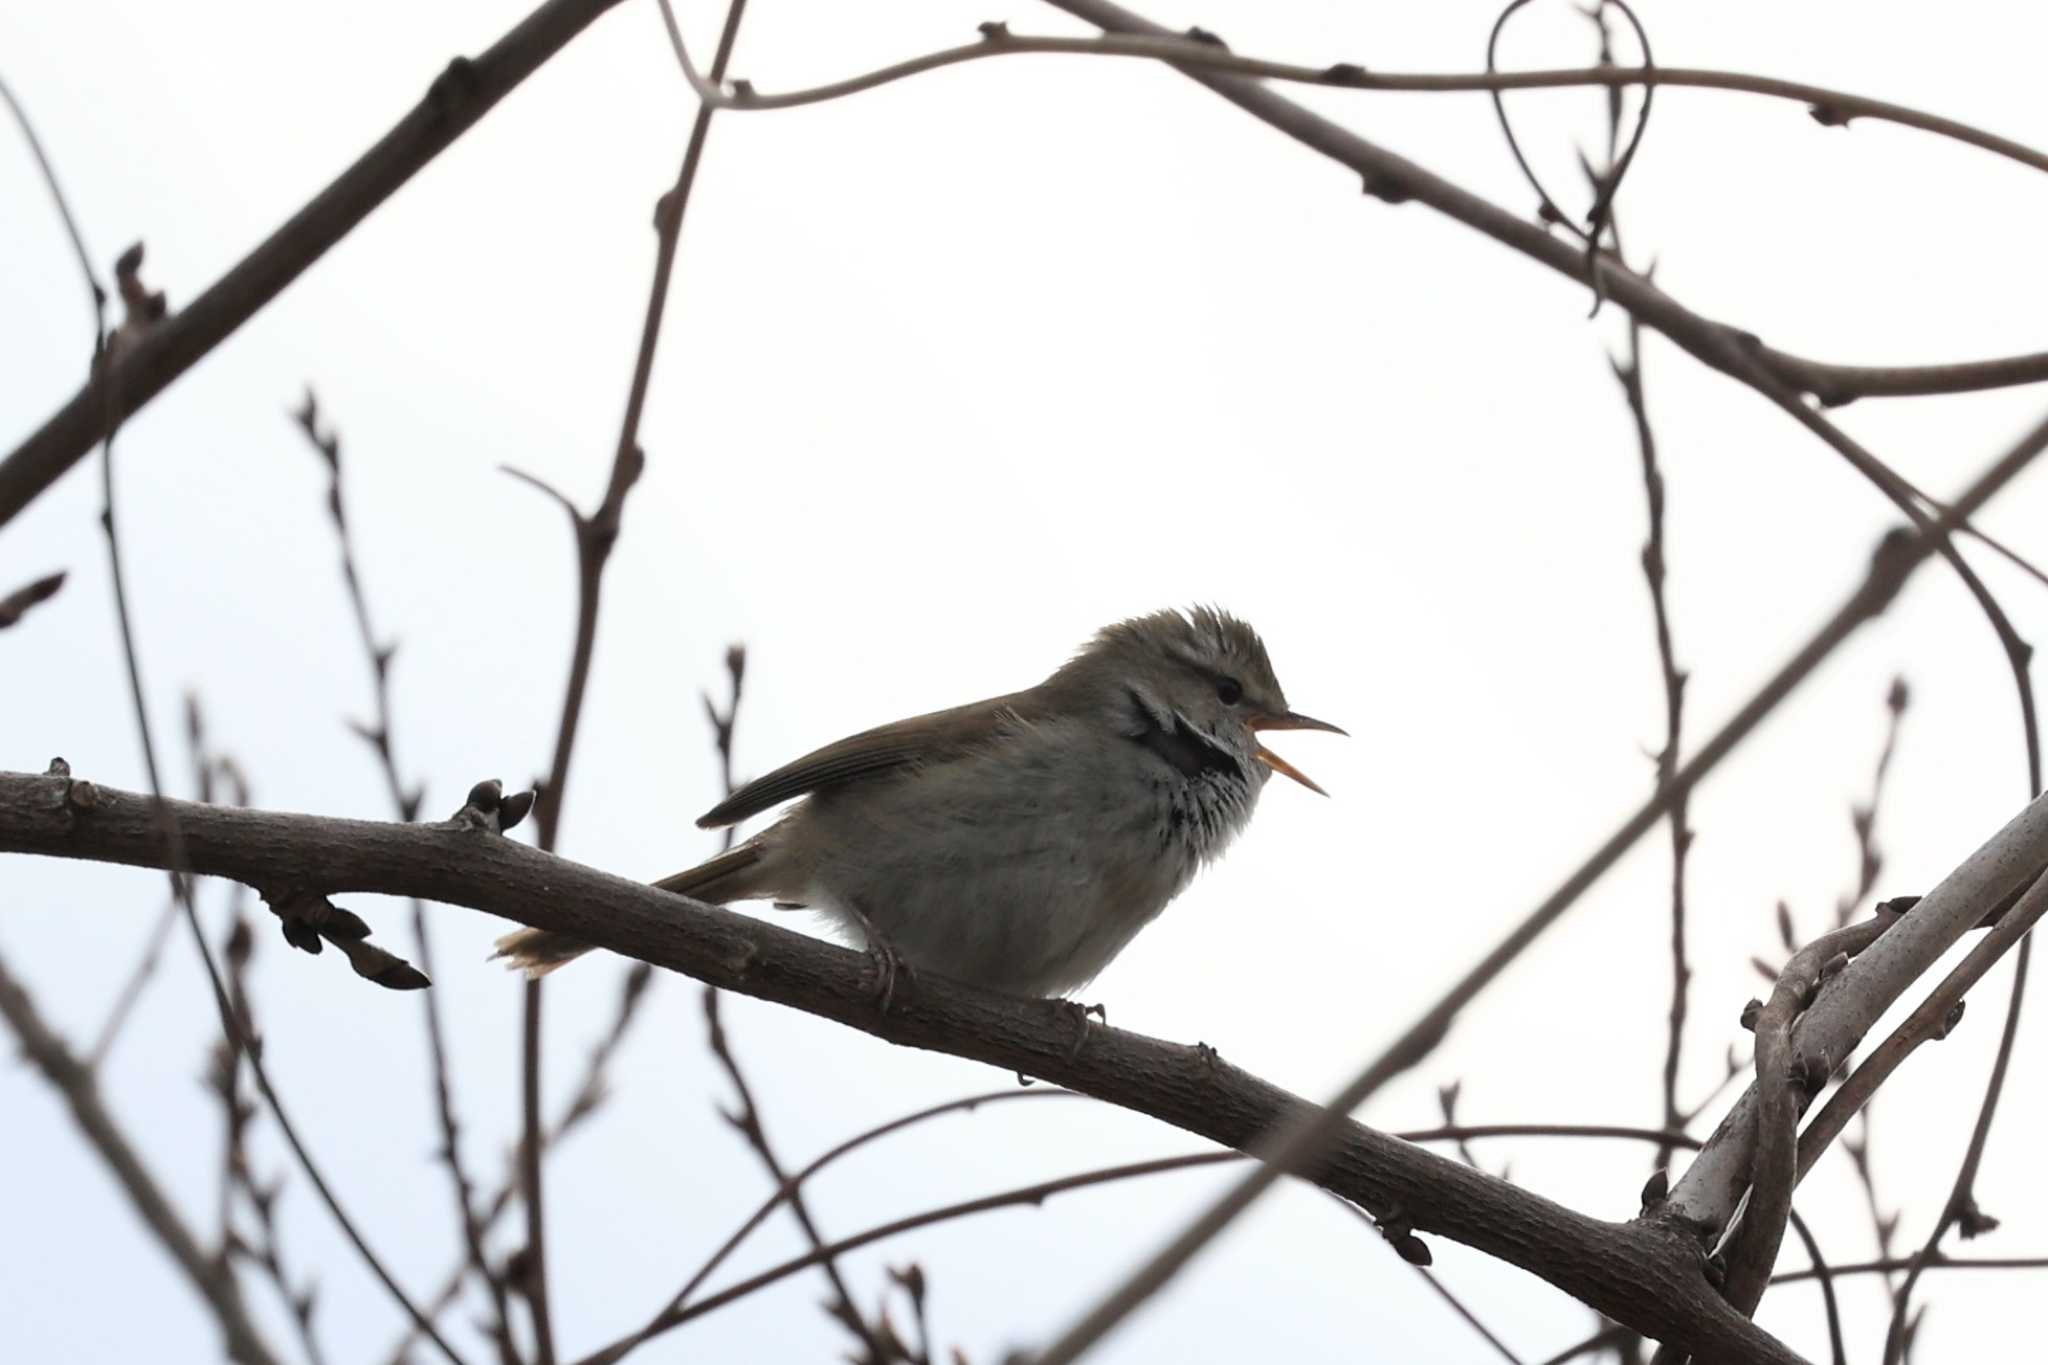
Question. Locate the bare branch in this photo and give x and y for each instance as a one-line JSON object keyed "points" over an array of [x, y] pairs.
{"points": [[74, 1081], [1961, 1210], [2010, 859], [1837, 1351], [70, 220], [1835, 107], [595, 536], [1636, 1273], [405, 804], [138, 977], [332, 925], [463, 93], [1719, 346], [747, 1121], [239, 1175], [1786, 1079], [1889, 1264], [1629, 373]]}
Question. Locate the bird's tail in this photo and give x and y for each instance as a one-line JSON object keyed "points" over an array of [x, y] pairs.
{"points": [[536, 952]]}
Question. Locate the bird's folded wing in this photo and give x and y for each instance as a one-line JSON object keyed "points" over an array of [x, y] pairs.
{"points": [[916, 742]]}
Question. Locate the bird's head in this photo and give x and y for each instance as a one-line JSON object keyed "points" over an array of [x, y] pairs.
{"points": [[1197, 687]]}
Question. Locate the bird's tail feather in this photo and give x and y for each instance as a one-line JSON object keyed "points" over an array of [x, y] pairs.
{"points": [[536, 952]]}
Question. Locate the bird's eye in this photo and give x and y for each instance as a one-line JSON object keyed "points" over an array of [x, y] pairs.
{"points": [[1228, 692]]}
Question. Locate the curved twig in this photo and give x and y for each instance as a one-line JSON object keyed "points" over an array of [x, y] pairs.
{"points": [[49, 173], [1607, 184], [1829, 106]]}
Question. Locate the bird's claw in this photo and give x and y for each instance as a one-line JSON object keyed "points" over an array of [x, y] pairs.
{"points": [[1078, 1013], [890, 965]]}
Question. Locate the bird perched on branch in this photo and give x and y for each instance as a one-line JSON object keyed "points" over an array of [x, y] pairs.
{"points": [[1017, 843]]}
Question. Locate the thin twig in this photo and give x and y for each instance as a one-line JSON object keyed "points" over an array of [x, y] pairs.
{"points": [[723, 723], [73, 1079], [747, 1120], [595, 535], [1460, 1134], [679, 1312], [1869, 864], [1863, 817], [1889, 1264], [1442, 1290], [131, 990], [239, 1176], [326, 442], [1961, 1209], [49, 172], [587, 1098], [181, 888], [205, 765], [405, 802], [996, 40], [1599, 1341], [1033, 1194], [1629, 373], [1838, 1351]]}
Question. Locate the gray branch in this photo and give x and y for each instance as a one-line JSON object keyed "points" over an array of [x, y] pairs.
{"points": [[1852, 1002]]}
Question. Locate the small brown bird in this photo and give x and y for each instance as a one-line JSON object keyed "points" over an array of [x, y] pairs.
{"points": [[1017, 843]]}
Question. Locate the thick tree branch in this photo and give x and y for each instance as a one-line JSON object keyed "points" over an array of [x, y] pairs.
{"points": [[1640, 1273]]}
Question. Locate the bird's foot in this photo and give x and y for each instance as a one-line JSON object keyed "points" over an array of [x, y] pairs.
{"points": [[890, 965], [1077, 1013]]}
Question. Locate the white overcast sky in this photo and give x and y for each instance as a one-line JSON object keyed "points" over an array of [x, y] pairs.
{"points": [[955, 372]]}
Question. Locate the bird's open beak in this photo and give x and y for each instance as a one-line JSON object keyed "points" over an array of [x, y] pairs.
{"points": [[1290, 720]]}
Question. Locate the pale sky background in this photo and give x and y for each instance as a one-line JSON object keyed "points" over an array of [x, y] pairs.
{"points": [[955, 372]]}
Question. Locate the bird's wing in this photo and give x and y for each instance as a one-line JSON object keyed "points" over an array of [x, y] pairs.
{"points": [[915, 742]]}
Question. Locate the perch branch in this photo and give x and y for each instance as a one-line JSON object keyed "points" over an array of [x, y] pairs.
{"points": [[1636, 1273]]}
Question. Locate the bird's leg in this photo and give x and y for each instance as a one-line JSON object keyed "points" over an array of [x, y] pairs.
{"points": [[1074, 1010], [889, 964]]}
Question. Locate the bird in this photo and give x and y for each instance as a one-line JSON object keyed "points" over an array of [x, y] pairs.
{"points": [[1020, 843]]}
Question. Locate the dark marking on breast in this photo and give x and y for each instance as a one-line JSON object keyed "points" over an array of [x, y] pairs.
{"points": [[1187, 749]]}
